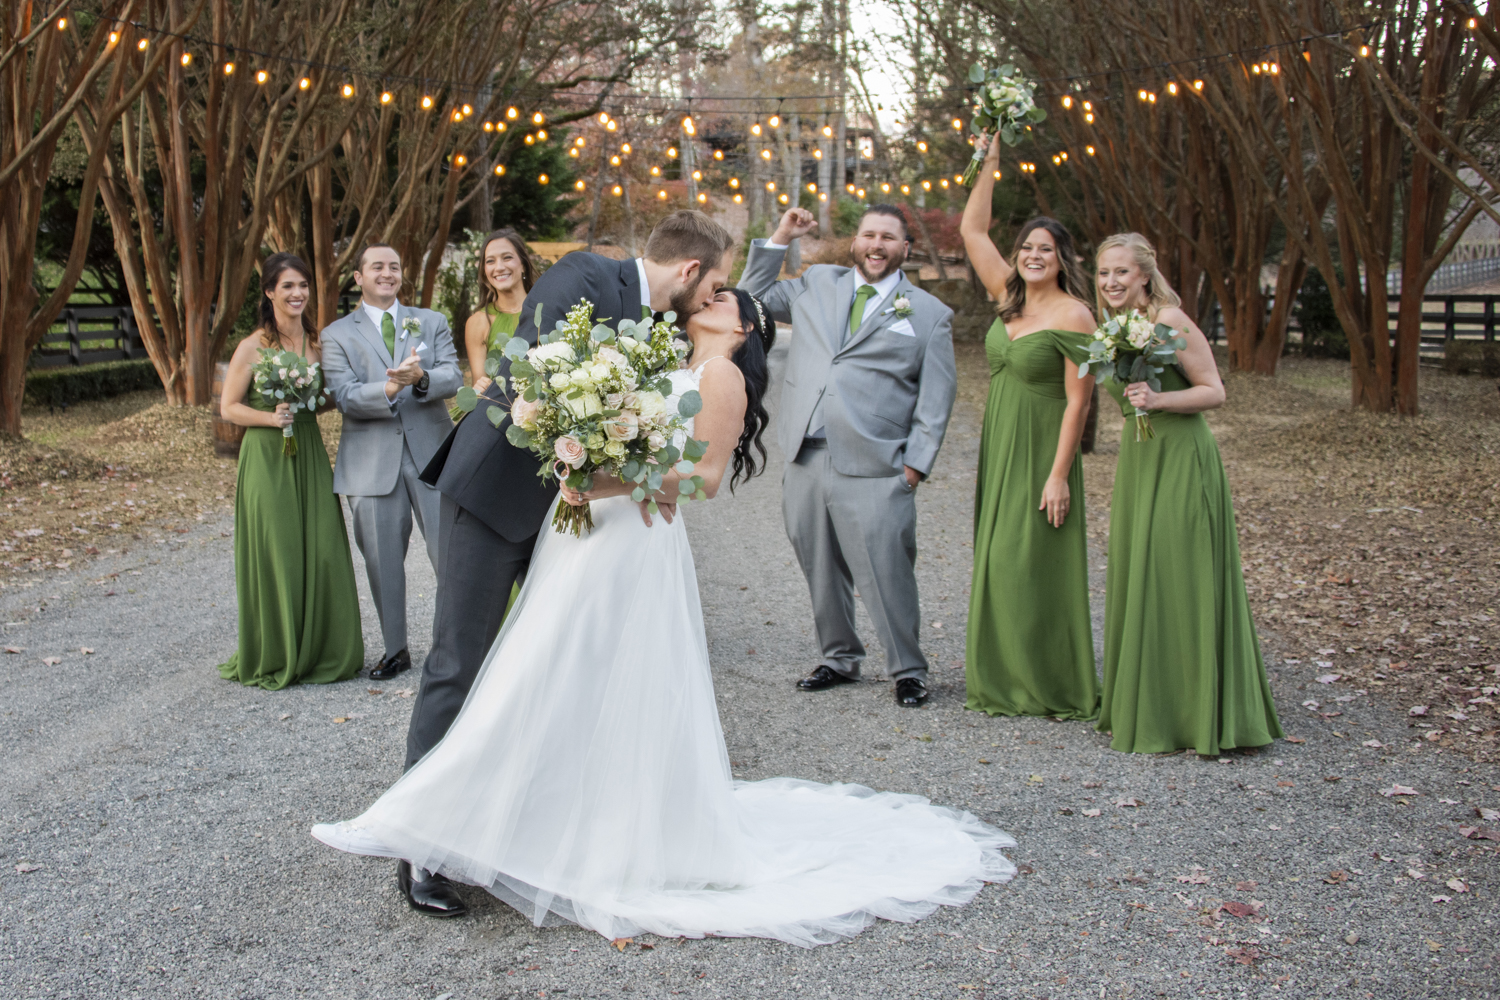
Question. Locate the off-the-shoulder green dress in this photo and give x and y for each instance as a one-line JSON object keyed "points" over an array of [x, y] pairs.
{"points": [[1030, 647]]}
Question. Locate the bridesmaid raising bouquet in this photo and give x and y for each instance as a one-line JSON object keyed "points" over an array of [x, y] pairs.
{"points": [[1182, 665], [1030, 645]]}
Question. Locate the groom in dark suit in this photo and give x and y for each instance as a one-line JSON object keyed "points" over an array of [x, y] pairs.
{"points": [[493, 502]]}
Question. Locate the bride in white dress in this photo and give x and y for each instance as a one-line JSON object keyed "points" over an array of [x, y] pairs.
{"points": [[586, 776]]}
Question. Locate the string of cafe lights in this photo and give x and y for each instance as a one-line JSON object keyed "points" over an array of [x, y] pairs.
{"points": [[1082, 98]]}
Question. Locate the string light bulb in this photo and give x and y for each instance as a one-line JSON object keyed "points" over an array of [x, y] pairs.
{"points": [[579, 141], [461, 159], [489, 126], [672, 152], [543, 179], [1364, 50], [997, 175], [1197, 84], [927, 185], [922, 147], [386, 97], [775, 121], [828, 131], [662, 195], [426, 102], [943, 183], [625, 148], [1067, 100], [734, 182], [849, 188], [261, 76], [304, 83], [611, 125], [530, 139], [114, 36], [688, 126], [614, 161], [499, 170], [656, 171], [765, 154], [538, 119], [1089, 150], [1172, 88], [348, 91], [617, 190], [812, 187], [578, 185], [822, 195], [1089, 117], [906, 189], [458, 116], [186, 59], [603, 116], [142, 45], [229, 69], [468, 109], [541, 135], [817, 154], [885, 188], [860, 193], [573, 152], [958, 124], [62, 24], [738, 198], [697, 175], [770, 185], [703, 198], [719, 154], [784, 199], [1088, 105], [755, 129]]}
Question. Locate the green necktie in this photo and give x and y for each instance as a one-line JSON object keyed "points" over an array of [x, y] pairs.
{"points": [[857, 314], [388, 330]]}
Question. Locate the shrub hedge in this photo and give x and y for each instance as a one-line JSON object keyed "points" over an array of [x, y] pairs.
{"points": [[64, 386]]}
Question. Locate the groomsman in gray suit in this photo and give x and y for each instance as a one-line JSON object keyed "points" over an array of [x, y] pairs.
{"points": [[391, 369], [870, 382]]}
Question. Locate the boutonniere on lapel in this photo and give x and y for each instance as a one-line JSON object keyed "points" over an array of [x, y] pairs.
{"points": [[901, 307], [412, 327]]}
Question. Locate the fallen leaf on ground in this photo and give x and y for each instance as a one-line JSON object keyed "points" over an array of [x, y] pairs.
{"points": [[1295, 739], [1433, 945], [374, 691], [285, 716], [620, 943], [1456, 885], [1248, 886], [1398, 790], [1441, 899], [1490, 814], [1373, 743], [340, 718], [86, 650], [1412, 873], [15, 649], [1193, 879], [1237, 909], [24, 867], [1129, 803], [1336, 877], [1244, 956], [51, 661], [1333, 777], [1417, 710], [1091, 812], [1093, 784], [1327, 678]]}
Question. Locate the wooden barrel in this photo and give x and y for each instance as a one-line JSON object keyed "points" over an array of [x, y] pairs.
{"points": [[227, 435]]}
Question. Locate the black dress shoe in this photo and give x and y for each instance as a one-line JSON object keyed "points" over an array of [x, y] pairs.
{"points": [[391, 666], [433, 895], [823, 678], [910, 692]]}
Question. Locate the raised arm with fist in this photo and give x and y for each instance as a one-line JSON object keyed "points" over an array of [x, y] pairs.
{"points": [[796, 222]]}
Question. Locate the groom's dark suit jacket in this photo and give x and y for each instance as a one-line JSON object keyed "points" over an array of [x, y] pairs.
{"points": [[477, 467]]}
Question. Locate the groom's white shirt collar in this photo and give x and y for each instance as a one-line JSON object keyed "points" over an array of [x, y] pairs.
{"points": [[640, 268], [376, 314]]}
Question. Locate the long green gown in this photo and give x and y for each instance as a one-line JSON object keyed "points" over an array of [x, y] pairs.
{"points": [[1030, 643], [299, 616], [1182, 664]]}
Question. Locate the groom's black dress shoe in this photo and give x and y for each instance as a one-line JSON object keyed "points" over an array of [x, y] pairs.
{"points": [[433, 895], [910, 692], [391, 666], [823, 678]]}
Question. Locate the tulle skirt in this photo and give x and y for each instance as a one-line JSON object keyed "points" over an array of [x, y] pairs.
{"points": [[586, 777]]}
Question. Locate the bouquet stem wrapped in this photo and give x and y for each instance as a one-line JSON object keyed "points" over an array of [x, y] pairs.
{"points": [[1003, 103], [287, 377], [1129, 348], [587, 398]]}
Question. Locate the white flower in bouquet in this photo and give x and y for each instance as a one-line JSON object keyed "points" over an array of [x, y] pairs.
{"points": [[1140, 330], [1131, 348], [551, 353], [583, 405], [560, 380], [623, 427], [651, 404]]}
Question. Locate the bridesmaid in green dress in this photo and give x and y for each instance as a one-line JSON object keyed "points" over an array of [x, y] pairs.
{"points": [[298, 608], [1182, 665], [1030, 648], [506, 274]]}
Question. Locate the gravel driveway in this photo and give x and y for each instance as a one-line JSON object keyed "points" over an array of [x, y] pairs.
{"points": [[156, 817]]}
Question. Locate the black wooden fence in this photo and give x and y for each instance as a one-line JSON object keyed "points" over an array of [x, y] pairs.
{"points": [[84, 335]]}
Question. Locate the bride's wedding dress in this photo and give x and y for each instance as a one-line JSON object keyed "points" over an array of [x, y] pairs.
{"points": [[586, 776]]}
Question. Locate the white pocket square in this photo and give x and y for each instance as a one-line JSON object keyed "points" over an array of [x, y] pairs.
{"points": [[903, 327]]}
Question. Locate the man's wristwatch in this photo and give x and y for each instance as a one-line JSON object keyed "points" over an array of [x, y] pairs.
{"points": [[422, 383]]}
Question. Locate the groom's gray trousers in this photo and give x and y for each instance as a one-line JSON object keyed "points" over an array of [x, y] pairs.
{"points": [[856, 531], [476, 567]]}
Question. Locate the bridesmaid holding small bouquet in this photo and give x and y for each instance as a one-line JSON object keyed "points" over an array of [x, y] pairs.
{"points": [[1030, 647], [1182, 664]]}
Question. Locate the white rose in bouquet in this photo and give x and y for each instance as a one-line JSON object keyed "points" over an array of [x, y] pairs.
{"points": [[559, 380], [543, 354], [622, 428], [651, 404], [583, 405]]}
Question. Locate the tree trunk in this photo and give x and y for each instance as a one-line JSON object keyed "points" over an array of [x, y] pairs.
{"points": [[440, 238], [320, 194]]}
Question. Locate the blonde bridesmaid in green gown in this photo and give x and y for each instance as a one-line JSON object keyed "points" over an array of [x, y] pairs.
{"points": [[299, 619], [1182, 664], [1030, 646], [506, 273]]}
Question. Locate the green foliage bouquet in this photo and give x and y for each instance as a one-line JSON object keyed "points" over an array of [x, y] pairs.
{"points": [[1003, 103], [288, 377], [1129, 348], [588, 398]]}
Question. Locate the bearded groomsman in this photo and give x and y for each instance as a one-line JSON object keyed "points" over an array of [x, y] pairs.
{"points": [[391, 369], [870, 382]]}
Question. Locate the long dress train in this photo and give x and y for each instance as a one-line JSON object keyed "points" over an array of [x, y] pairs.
{"points": [[586, 776]]}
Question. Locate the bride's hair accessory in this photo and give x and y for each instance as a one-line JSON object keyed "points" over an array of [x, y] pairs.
{"points": [[760, 316]]}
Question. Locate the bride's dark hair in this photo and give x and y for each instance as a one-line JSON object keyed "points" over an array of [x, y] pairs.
{"points": [[751, 360]]}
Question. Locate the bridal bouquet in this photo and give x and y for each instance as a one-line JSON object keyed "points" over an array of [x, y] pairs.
{"points": [[1003, 102], [588, 398], [1128, 348], [287, 377]]}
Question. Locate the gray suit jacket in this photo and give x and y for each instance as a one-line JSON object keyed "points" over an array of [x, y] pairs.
{"points": [[889, 392], [355, 360]]}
